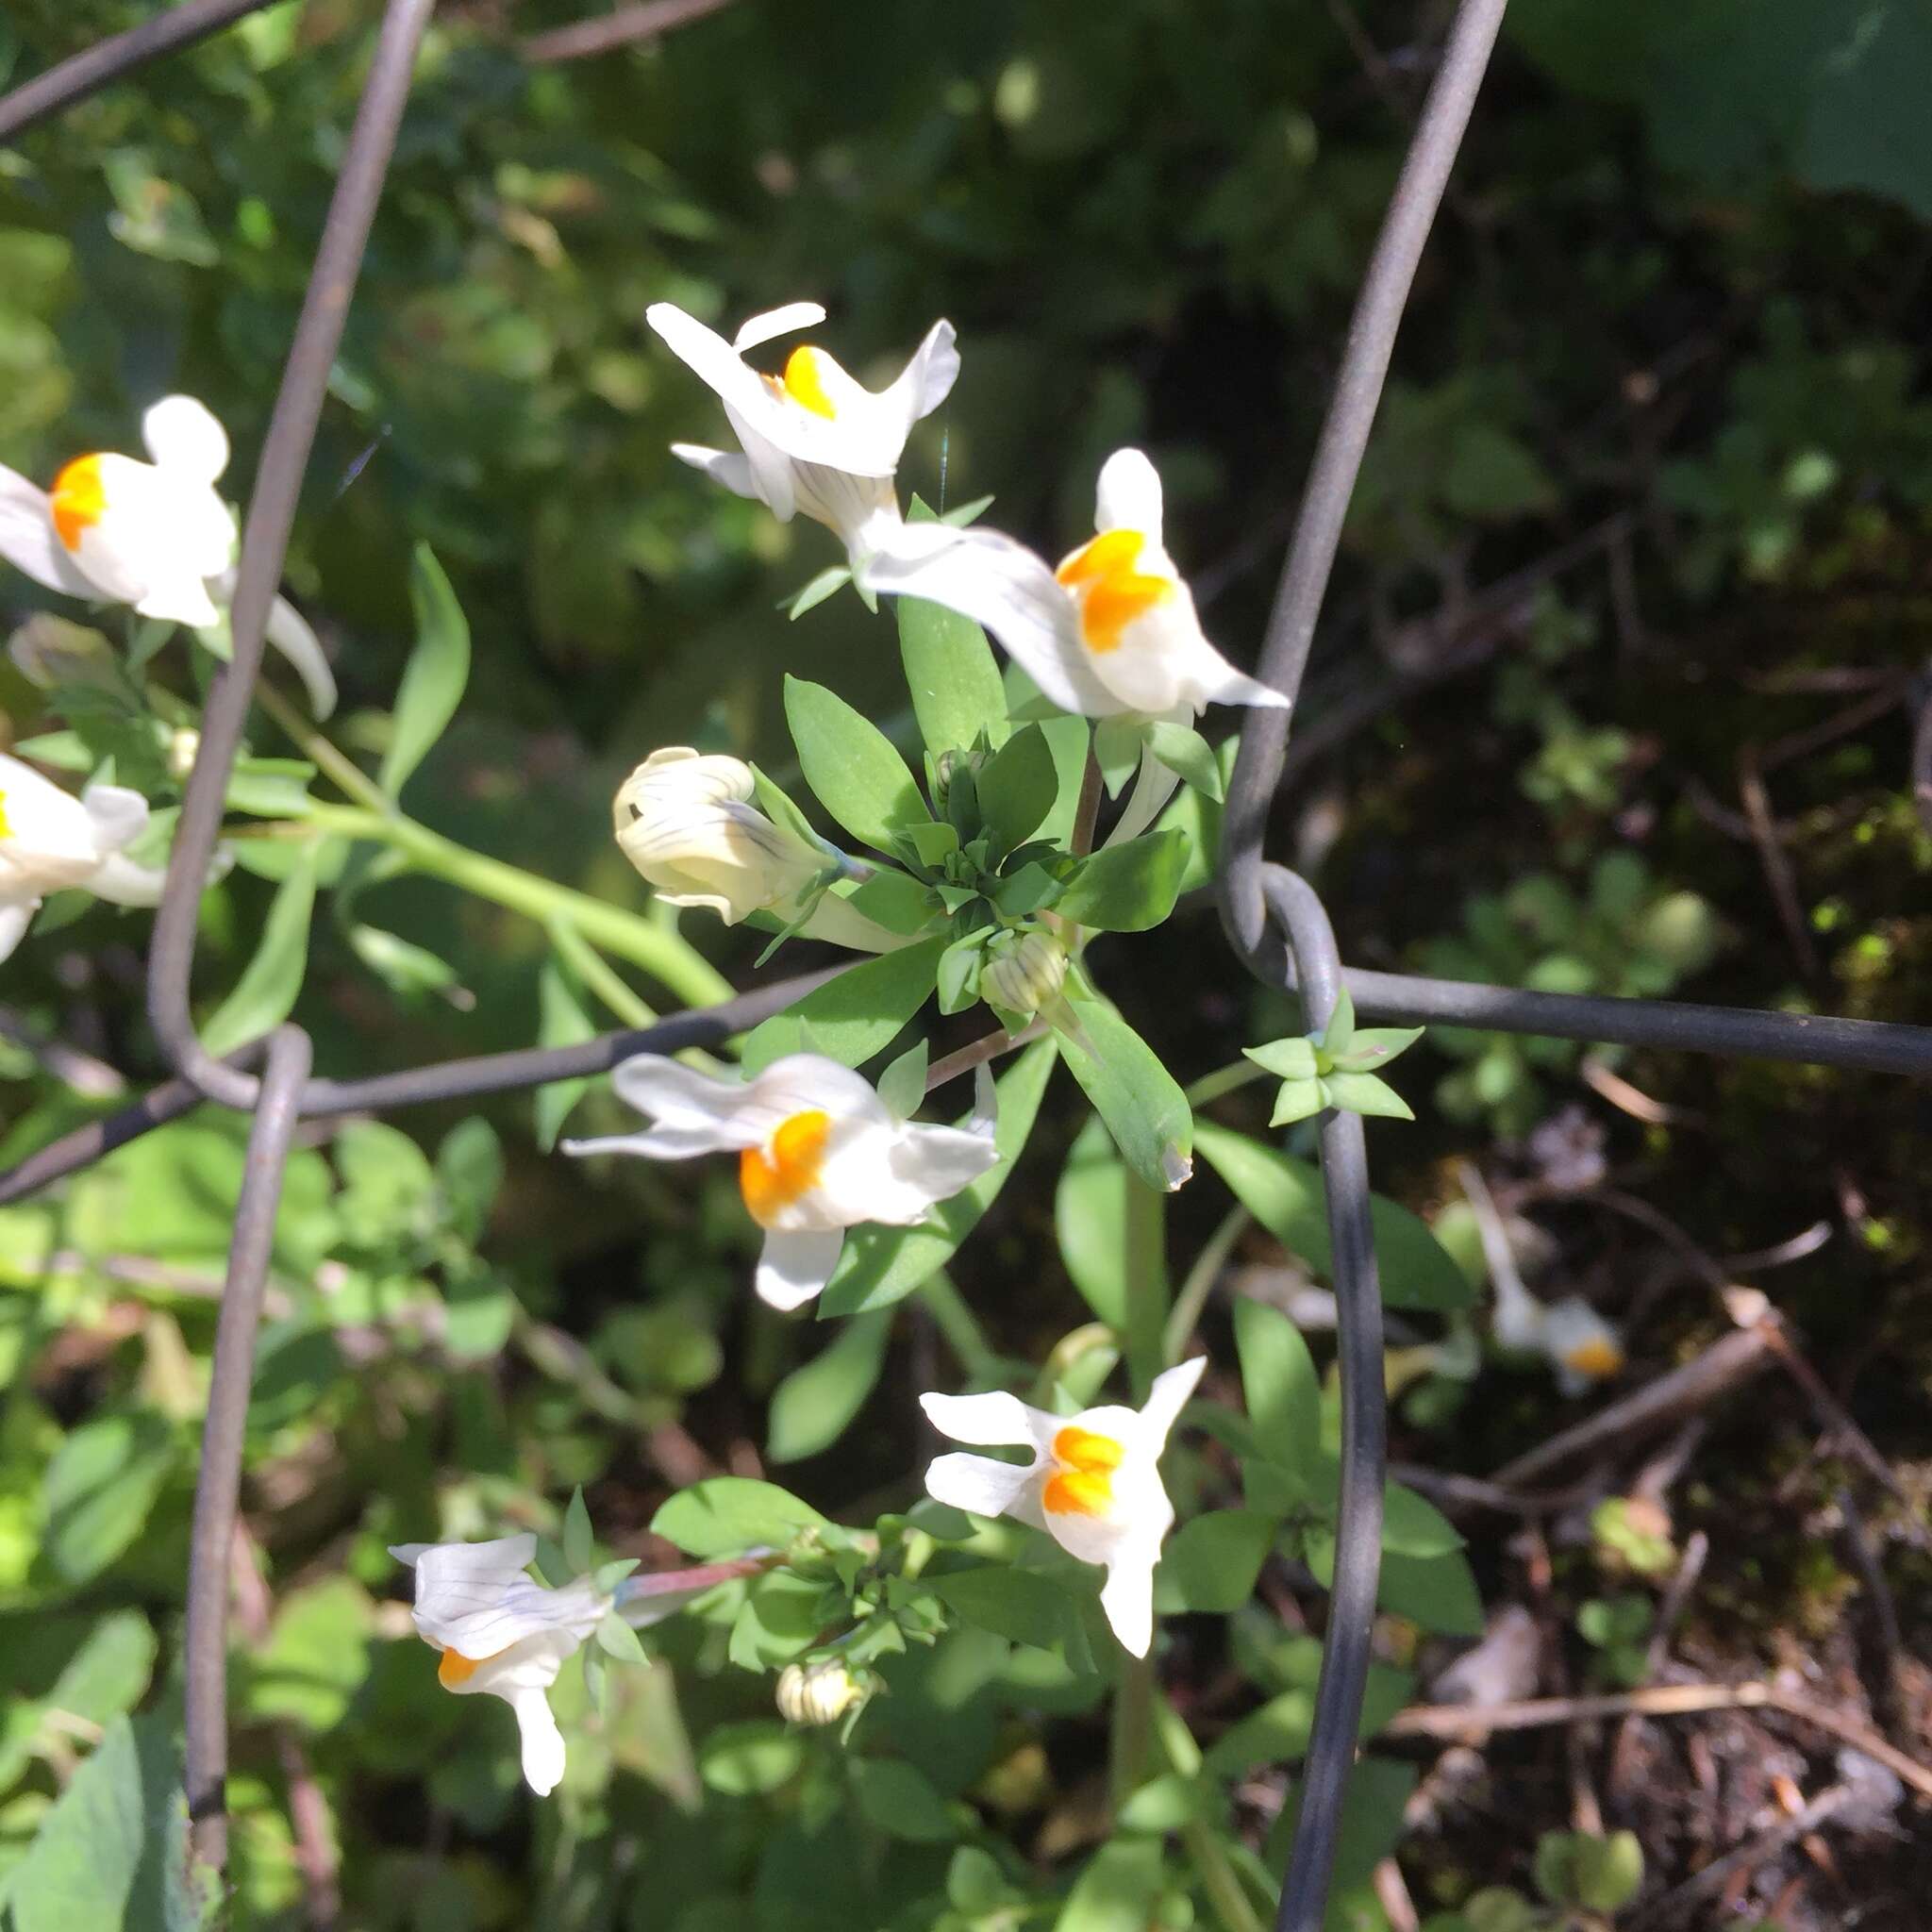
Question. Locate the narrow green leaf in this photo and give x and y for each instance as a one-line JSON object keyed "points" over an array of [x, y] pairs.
{"points": [[899, 1798], [1117, 1891], [851, 766], [1144, 1108], [952, 675], [1016, 789], [405, 967], [853, 1016], [1279, 1384], [1068, 739], [562, 1020], [1188, 755], [1128, 888], [1285, 1196], [813, 1405], [1341, 1029], [814, 593], [1292, 1058], [1367, 1094], [1089, 1211], [433, 679], [1210, 1562], [882, 1265], [1297, 1100], [579, 1545], [272, 981], [901, 1086], [616, 1639]]}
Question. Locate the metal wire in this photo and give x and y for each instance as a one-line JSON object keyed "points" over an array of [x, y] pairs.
{"points": [[91, 70], [218, 1484], [1358, 1521], [1251, 892], [265, 541]]}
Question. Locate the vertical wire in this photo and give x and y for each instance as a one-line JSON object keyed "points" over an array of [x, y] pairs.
{"points": [[1364, 1448], [218, 1485], [265, 542]]}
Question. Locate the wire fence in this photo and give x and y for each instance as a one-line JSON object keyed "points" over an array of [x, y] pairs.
{"points": [[1274, 920]]}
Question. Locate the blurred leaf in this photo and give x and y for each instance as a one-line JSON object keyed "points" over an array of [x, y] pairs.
{"points": [[1211, 1561], [317, 1655], [100, 1490], [265, 994], [1117, 1890], [434, 679], [899, 1799], [813, 1407], [746, 1761], [563, 1019], [1279, 1384]]}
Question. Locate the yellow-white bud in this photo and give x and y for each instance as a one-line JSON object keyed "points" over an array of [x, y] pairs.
{"points": [[1024, 971], [819, 1694], [685, 822], [184, 746]]}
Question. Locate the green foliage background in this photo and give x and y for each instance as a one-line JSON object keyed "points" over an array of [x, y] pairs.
{"points": [[1682, 278]]}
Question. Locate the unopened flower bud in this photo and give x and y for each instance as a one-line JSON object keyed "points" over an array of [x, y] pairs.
{"points": [[819, 1694], [947, 764], [1024, 971], [184, 746], [685, 822], [48, 651]]}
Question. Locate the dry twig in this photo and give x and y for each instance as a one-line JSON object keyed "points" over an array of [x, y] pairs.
{"points": [[624, 28]]}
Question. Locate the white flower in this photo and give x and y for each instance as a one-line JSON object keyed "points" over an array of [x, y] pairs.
{"points": [[811, 439], [818, 1150], [1112, 630], [1093, 1484], [155, 535], [500, 1632], [51, 841], [687, 822], [1581, 1345]]}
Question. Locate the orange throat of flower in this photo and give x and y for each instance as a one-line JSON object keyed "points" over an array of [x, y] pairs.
{"points": [[79, 499], [804, 382], [1082, 1485], [773, 1179], [454, 1669], [6, 824], [1597, 1359], [1111, 591]]}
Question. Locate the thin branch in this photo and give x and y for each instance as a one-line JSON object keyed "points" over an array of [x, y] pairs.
{"points": [[624, 28], [975, 1053], [1454, 1721]]}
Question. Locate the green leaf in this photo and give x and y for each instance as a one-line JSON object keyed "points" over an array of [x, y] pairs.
{"points": [[562, 1020], [1168, 1802], [813, 1404], [112, 1853], [616, 1639], [953, 677], [727, 1514], [109, 1672], [1437, 1592], [579, 1545], [1297, 1100], [901, 1086], [814, 593], [1285, 1196], [1187, 754], [405, 967], [899, 1798], [882, 1265], [976, 1884], [1117, 1891], [1143, 1106], [1068, 739], [1339, 1032], [1292, 1058], [265, 994], [1374, 1047], [1280, 1383], [1372, 1808], [99, 1491], [433, 679], [1593, 1875], [958, 973], [746, 1761], [853, 1016], [1117, 750], [317, 1655], [469, 1171], [1128, 888], [1367, 1094], [932, 844], [851, 766], [892, 899], [1211, 1563], [1090, 1212], [1277, 1732], [1017, 1604], [1017, 788]]}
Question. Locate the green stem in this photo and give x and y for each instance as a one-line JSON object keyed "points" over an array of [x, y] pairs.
{"points": [[1133, 1725], [663, 955], [1199, 1284], [1145, 1314], [598, 975], [354, 782], [1225, 1080], [957, 1322], [1219, 1879]]}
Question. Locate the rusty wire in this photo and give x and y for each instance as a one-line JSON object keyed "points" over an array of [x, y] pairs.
{"points": [[1300, 953]]}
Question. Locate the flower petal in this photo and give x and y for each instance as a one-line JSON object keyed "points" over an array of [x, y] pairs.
{"points": [[650, 1144], [121, 882], [681, 1096], [1165, 1400], [117, 816], [182, 435], [288, 631], [793, 1268], [939, 1161], [28, 540], [543, 1742], [731, 468], [1127, 1595], [771, 323], [996, 1417], [14, 921], [1127, 496], [1004, 586], [979, 1484], [928, 377]]}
